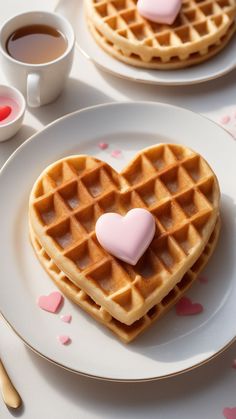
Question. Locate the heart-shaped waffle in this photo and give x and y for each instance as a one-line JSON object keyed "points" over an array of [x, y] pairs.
{"points": [[173, 182]]}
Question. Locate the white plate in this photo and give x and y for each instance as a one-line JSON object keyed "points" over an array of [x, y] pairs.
{"points": [[218, 66], [172, 345]]}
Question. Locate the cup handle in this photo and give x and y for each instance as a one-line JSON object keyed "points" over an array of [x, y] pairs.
{"points": [[33, 90]]}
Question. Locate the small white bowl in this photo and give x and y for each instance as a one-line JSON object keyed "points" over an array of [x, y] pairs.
{"points": [[9, 129]]}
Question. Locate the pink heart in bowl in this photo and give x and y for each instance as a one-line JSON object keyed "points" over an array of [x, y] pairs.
{"points": [[160, 11], [4, 112], [50, 302], [126, 237]]}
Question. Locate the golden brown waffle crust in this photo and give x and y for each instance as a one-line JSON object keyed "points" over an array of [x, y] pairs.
{"points": [[193, 60], [125, 333], [120, 24], [173, 182]]}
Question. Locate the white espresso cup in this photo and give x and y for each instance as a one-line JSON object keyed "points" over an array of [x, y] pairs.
{"points": [[40, 83]]}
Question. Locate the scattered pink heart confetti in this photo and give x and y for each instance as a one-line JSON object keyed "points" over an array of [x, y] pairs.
{"points": [[103, 146], [203, 279], [225, 119], [64, 339], [116, 154], [229, 413], [185, 307], [234, 364], [159, 11], [228, 121], [50, 302], [66, 318]]}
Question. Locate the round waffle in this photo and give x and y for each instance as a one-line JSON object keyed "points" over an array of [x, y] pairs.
{"points": [[175, 62], [201, 30], [174, 183]]}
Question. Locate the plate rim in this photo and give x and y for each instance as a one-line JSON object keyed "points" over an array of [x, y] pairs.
{"points": [[118, 380], [199, 80], [111, 103], [216, 76], [23, 339]]}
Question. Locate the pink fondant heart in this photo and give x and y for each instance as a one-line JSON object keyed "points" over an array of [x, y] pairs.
{"points": [[4, 112], [185, 307], [103, 146], [64, 339], [126, 237], [66, 318], [160, 11], [116, 154], [229, 413], [50, 302]]}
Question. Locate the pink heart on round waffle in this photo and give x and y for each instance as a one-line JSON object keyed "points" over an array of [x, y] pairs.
{"points": [[185, 307], [50, 302], [126, 237], [160, 11]]}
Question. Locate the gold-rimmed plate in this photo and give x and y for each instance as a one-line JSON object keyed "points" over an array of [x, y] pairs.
{"points": [[174, 344]]}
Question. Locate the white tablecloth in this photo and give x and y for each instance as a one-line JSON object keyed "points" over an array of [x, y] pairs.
{"points": [[48, 390]]}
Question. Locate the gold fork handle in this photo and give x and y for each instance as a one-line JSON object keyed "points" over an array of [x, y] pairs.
{"points": [[9, 393]]}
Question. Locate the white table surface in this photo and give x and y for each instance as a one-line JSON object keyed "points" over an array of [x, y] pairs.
{"points": [[57, 394]]}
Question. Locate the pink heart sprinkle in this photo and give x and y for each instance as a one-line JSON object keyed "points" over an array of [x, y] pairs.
{"points": [[103, 146], [64, 339], [185, 307], [229, 413], [116, 154], [225, 119], [4, 112], [234, 364], [203, 279], [50, 302], [66, 318]]}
